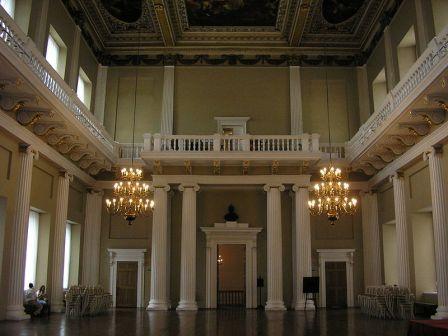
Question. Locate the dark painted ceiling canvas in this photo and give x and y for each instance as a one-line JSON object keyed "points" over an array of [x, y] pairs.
{"points": [[338, 11], [125, 10], [232, 12]]}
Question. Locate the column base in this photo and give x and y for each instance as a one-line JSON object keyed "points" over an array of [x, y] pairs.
{"points": [[275, 305], [442, 314], [185, 305], [300, 305], [57, 308], [154, 305], [16, 313]]}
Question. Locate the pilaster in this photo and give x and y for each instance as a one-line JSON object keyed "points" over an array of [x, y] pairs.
{"points": [[92, 235], [274, 248], [440, 225], [74, 60], [159, 278], [166, 126], [424, 28], [19, 234], [57, 261], [100, 92], [295, 94], [392, 70], [363, 94], [188, 249]]}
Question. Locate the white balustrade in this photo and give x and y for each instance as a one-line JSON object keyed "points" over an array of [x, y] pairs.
{"points": [[337, 150], [229, 143], [12, 37], [429, 65]]}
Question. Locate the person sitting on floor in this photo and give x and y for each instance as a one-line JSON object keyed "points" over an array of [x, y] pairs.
{"points": [[31, 300]]}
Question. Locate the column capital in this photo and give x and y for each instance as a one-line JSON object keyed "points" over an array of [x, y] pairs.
{"points": [[396, 176], [433, 150], [165, 187], [184, 186], [28, 149], [95, 192], [297, 187], [66, 175], [270, 186]]}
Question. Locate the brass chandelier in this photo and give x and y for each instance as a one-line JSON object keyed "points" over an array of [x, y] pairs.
{"points": [[331, 194], [132, 197]]}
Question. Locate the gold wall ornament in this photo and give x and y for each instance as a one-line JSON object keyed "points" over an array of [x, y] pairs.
{"points": [[332, 196]]}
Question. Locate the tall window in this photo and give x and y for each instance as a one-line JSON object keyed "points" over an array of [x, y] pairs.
{"points": [[84, 88], [9, 6], [68, 243], [56, 53], [31, 249]]}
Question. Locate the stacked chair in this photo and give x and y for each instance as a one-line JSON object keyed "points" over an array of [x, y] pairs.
{"points": [[387, 302], [86, 301]]}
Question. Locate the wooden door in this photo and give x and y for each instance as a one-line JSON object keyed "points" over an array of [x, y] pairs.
{"points": [[336, 284], [127, 284]]}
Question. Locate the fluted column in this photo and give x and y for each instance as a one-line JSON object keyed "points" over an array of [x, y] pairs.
{"points": [[188, 249], [303, 245], [440, 226], [159, 251], [60, 223], [92, 235], [274, 248], [403, 232], [392, 70], [17, 259], [74, 60], [371, 240]]}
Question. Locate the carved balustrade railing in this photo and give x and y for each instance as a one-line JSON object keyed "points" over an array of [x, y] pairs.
{"points": [[428, 65], [13, 38], [223, 143]]}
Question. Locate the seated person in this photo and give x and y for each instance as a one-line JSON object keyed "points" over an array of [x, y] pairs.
{"points": [[31, 300], [42, 295]]}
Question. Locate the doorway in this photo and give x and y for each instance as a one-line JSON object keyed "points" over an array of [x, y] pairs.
{"points": [[336, 284], [127, 272], [231, 279]]}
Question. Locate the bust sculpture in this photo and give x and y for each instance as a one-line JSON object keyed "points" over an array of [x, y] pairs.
{"points": [[231, 216]]}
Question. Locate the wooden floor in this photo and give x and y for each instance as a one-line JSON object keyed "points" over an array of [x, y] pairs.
{"points": [[125, 322]]}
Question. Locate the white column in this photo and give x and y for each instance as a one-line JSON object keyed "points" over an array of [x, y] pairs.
{"points": [[100, 92], [440, 224], [159, 251], [295, 94], [74, 60], [92, 235], [274, 248], [19, 234], [188, 249], [363, 94], [303, 245], [60, 224], [392, 70], [403, 230], [166, 126], [371, 240]]}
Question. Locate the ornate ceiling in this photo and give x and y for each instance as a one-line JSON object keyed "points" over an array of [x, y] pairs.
{"points": [[235, 30]]}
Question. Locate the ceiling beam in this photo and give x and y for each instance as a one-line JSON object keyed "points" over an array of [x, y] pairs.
{"points": [[298, 24], [165, 25]]}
